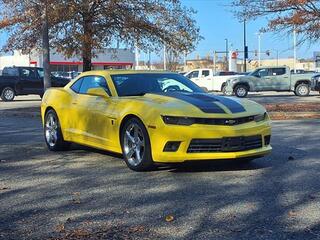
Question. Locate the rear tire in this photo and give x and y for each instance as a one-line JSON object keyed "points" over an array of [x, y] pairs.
{"points": [[136, 147], [241, 91], [7, 94], [53, 134], [302, 90]]}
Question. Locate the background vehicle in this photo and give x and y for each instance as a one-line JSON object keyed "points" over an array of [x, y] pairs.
{"points": [[67, 75], [270, 79], [24, 80], [315, 85], [206, 79], [153, 117]]}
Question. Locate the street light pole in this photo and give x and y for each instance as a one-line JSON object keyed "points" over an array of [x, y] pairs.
{"points": [[259, 48], [164, 57], [227, 54], [244, 46]]}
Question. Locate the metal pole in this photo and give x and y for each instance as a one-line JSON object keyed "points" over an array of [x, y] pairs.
{"points": [[294, 49], [259, 47], [214, 62], [136, 56], [244, 46], [277, 58], [164, 58], [149, 61], [227, 54]]}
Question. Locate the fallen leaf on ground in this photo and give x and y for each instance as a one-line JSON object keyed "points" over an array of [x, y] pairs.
{"points": [[60, 228], [292, 214], [169, 218]]}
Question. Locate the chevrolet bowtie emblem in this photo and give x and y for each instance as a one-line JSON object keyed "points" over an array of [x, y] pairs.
{"points": [[230, 122]]}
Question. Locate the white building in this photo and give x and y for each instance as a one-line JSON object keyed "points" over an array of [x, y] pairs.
{"points": [[105, 59]]}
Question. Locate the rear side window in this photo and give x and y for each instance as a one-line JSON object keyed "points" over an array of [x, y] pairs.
{"points": [[93, 82], [77, 85], [10, 72], [278, 71], [205, 73]]}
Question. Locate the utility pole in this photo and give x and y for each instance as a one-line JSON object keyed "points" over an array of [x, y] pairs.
{"points": [[245, 50], [227, 54]]}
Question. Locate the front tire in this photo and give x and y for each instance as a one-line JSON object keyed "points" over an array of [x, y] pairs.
{"points": [[241, 91], [136, 147], [302, 90], [7, 94], [53, 134]]}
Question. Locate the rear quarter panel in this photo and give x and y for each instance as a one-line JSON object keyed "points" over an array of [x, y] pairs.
{"points": [[58, 99]]}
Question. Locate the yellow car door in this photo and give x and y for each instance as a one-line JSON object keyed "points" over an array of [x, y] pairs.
{"points": [[92, 115]]}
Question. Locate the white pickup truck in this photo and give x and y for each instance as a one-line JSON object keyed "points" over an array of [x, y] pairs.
{"points": [[209, 81]]}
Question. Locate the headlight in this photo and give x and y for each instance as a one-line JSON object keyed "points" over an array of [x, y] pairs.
{"points": [[260, 117], [178, 120]]}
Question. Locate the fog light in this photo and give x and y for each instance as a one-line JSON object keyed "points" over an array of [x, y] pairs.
{"points": [[171, 146], [267, 140]]}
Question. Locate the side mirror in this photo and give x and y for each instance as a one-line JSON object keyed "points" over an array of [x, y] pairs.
{"points": [[99, 92]]}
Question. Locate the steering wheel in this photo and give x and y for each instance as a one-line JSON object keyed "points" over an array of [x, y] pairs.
{"points": [[171, 88]]}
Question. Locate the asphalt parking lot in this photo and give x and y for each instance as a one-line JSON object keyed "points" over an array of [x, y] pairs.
{"points": [[91, 194]]}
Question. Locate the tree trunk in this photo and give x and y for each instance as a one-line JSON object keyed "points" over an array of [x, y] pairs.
{"points": [[87, 44], [46, 51]]}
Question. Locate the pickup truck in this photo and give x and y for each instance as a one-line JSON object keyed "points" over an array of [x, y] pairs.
{"points": [[208, 80], [17, 81], [269, 79]]}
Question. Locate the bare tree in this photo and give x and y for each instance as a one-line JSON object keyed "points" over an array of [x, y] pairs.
{"points": [[284, 15], [89, 25]]}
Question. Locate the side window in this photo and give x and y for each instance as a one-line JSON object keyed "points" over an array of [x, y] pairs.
{"points": [[264, 72], [278, 71], [93, 82], [77, 85], [28, 73], [10, 72], [205, 73], [193, 74]]}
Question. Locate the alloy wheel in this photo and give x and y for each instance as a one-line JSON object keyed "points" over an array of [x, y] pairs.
{"points": [[134, 144], [51, 130]]}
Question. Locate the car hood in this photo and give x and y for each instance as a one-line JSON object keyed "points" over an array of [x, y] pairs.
{"points": [[202, 105]]}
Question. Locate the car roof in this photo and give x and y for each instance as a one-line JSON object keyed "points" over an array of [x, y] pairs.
{"points": [[117, 72]]}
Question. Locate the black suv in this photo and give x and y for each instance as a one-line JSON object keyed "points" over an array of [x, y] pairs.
{"points": [[17, 81]]}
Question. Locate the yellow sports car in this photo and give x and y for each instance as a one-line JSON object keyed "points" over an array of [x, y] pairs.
{"points": [[153, 117]]}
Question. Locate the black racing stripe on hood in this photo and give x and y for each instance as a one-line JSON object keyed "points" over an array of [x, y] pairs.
{"points": [[205, 102], [206, 105], [233, 105]]}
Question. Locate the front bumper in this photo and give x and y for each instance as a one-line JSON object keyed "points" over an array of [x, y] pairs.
{"points": [[184, 134]]}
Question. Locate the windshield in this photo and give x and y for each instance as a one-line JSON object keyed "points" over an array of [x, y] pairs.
{"points": [[142, 83]]}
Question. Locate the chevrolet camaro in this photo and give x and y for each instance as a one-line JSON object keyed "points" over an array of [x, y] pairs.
{"points": [[153, 117]]}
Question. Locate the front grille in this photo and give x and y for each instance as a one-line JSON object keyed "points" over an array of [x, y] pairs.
{"points": [[224, 121], [227, 144]]}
